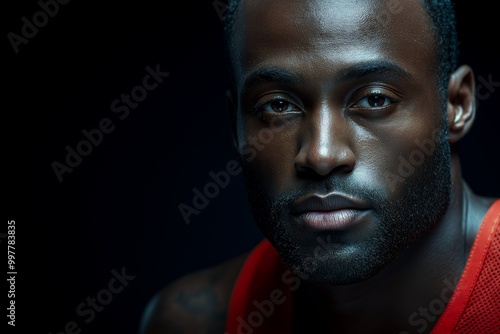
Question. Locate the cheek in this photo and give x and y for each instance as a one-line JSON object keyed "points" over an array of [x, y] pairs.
{"points": [[270, 152], [397, 152]]}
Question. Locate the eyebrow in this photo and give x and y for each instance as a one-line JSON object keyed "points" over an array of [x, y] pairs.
{"points": [[270, 75], [383, 68]]}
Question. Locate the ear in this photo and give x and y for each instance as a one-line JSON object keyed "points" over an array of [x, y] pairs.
{"points": [[232, 113], [461, 103]]}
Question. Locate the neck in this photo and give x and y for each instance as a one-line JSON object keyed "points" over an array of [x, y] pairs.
{"points": [[412, 292]]}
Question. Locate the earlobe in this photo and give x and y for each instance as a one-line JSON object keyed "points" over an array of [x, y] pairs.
{"points": [[461, 103]]}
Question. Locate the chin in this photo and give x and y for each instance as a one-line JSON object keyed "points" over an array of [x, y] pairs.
{"points": [[341, 265]]}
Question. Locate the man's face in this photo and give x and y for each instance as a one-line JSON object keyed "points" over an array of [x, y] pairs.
{"points": [[341, 129]]}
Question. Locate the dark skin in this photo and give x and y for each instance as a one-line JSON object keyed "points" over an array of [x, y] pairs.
{"points": [[352, 127]]}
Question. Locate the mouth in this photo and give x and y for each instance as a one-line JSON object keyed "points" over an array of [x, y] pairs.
{"points": [[334, 212]]}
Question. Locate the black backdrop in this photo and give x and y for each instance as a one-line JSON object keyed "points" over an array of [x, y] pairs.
{"points": [[118, 208]]}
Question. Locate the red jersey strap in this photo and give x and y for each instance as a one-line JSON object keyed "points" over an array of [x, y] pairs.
{"points": [[261, 301], [475, 305]]}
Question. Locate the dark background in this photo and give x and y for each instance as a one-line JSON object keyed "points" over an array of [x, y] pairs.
{"points": [[119, 207]]}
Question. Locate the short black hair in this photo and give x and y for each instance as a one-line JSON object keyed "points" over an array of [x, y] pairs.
{"points": [[441, 13]]}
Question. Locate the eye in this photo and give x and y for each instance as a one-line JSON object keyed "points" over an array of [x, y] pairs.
{"points": [[375, 100], [278, 106]]}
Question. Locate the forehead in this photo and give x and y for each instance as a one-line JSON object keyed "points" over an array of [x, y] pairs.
{"points": [[308, 33]]}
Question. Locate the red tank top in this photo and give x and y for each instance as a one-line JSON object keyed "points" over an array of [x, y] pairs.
{"points": [[261, 301]]}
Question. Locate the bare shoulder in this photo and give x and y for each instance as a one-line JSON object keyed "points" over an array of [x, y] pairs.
{"points": [[195, 303]]}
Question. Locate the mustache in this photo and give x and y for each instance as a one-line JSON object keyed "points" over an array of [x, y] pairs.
{"points": [[349, 188]]}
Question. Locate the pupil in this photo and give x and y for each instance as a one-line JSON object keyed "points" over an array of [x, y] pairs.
{"points": [[280, 106], [376, 100]]}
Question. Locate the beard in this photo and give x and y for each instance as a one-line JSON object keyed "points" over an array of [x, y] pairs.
{"points": [[396, 223]]}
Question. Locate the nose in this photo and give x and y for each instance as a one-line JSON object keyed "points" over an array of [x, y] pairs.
{"points": [[325, 144]]}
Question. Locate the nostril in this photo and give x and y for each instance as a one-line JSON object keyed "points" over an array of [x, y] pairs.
{"points": [[323, 161]]}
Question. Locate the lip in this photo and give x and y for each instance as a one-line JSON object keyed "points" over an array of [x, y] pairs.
{"points": [[328, 212]]}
